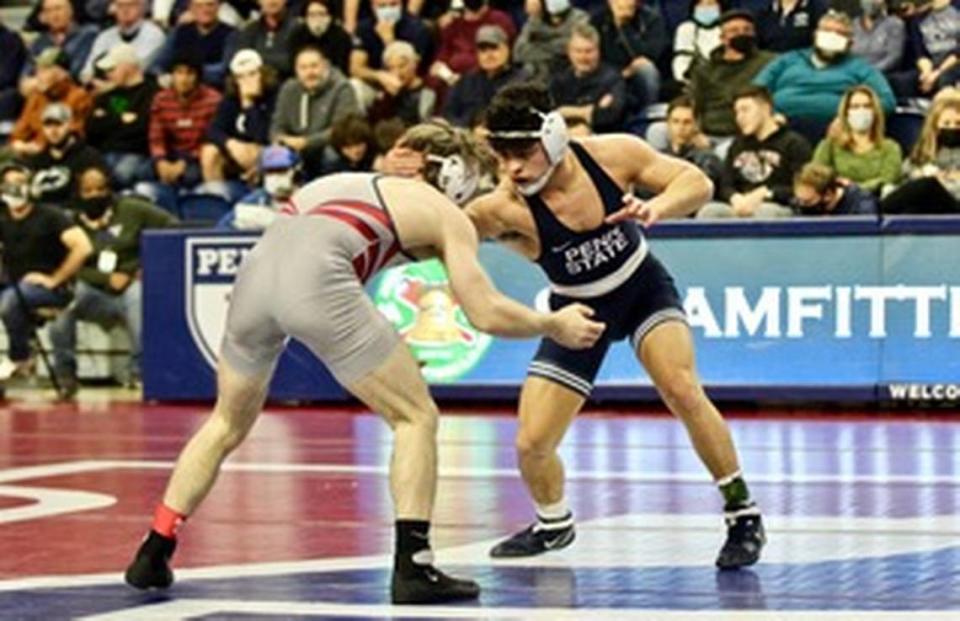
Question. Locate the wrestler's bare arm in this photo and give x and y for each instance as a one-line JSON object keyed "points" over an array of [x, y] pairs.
{"points": [[491, 311], [681, 188], [487, 214]]}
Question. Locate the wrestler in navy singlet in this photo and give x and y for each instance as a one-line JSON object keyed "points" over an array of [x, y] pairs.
{"points": [[609, 269]]}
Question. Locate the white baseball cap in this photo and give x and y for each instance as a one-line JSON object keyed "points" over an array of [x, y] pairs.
{"points": [[245, 61], [121, 54]]}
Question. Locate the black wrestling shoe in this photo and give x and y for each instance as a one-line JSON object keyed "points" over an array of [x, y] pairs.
{"points": [[536, 539], [745, 539], [150, 568], [425, 584]]}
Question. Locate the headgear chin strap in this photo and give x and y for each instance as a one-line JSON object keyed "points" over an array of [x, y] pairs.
{"points": [[455, 179], [554, 138]]}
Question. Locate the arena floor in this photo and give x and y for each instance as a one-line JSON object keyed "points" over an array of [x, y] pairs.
{"points": [[863, 517]]}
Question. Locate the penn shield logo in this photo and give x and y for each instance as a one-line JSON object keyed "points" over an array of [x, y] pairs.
{"points": [[212, 266], [418, 301]]}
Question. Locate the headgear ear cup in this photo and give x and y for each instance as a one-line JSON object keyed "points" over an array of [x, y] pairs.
{"points": [[455, 179], [554, 135]]}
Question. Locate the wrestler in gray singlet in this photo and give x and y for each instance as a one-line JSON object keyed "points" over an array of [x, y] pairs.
{"points": [[304, 279]]}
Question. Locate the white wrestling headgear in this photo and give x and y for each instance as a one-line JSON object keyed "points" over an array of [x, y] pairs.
{"points": [[554, 138], [455, 179], [552, 133]]}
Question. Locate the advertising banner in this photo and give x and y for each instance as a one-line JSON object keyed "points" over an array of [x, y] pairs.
{"points": [[791, 315]]}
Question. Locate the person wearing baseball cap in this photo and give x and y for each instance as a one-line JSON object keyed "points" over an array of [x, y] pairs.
{"points": [[64, 154], [278, 167], [494, 70], [241, 126], [144, 36], [52, 84], [120, 119], [456, 55]]}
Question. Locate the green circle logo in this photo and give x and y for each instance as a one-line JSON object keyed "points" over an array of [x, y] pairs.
{"points": [[417, 300]]}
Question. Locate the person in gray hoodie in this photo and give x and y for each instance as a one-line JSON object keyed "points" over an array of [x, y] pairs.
{"points": [[309, 105]]}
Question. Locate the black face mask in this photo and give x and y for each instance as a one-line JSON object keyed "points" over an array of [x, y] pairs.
{"points": [[474, 5], [745, 44], [94, 207], [948, 137]]}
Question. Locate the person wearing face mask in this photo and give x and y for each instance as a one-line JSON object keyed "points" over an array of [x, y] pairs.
{"points": [[808, 85], [932, 172], [391, 23], [456, 54], [308, 106], [878, 37], [697, 37], [279, 169], [936, 41], [42, 251], [319, 28], [108, 289], [714, 82], [541, 46], [818, 191], [64, 156], [857, 147]]}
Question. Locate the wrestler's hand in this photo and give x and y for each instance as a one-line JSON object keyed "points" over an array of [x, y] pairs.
{"points": [[634, 209], [572, 327], [403, 162]]}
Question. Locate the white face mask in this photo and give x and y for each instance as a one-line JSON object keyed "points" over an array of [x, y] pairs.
{"points": [[831, 43], [278, 185], [556, 6], [389, 14], [318, 25], [861, 119], [15, 196], [14, 202]]}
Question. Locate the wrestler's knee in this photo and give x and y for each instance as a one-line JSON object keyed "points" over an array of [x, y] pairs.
{"points": [[682, 392]]}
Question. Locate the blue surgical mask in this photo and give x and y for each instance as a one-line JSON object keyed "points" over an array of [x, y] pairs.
{"points": [[707, 15], [389, 14]]}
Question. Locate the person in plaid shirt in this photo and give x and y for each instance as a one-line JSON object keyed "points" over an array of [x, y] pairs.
{"points": [[179, 119]]}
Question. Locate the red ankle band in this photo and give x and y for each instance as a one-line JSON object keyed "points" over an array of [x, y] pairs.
{"points": [[166, 521]]}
